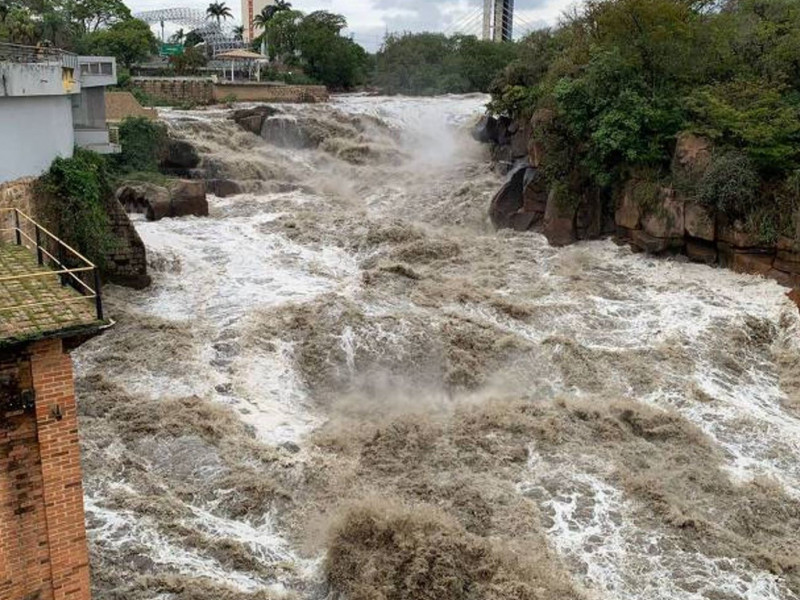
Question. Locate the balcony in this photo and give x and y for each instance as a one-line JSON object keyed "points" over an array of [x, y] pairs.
{"points": [[47, 289], [97, 71], [35, 71], [102, 141]]}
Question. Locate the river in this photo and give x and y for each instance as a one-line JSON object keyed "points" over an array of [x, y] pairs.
{"points": [[348, 362]]}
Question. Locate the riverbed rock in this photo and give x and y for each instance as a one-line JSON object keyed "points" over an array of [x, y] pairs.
{"points": [[794, 296], [699, 222], [147, 198], [666, 220], [188, 197], [559, 219], [508, 201], [224, 187], [628, 213], [701, 252], [252, 119], [485, 130], [181, 155]]}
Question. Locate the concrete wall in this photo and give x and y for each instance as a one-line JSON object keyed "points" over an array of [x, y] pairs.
{"points": [[89, 108], [35, 130], [32, 79]]}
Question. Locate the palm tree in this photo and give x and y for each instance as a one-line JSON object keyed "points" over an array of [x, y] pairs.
{"points": [[266, 14], [238, 33], [218, 11], [178, 36]]}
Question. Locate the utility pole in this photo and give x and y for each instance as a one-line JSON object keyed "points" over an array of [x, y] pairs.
{"points": [[498, 20]]}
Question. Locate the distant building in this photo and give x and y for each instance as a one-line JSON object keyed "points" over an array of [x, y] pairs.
{"points": [[498, 20], [50, 101], [250, 8]]}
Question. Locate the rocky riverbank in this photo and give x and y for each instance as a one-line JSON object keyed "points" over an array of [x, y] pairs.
{"points": [[656, 217]]}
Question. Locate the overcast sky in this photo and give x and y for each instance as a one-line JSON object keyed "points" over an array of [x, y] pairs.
{"points": [[370, 19]]}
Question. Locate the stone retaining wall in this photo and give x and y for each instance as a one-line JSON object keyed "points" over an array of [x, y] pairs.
{"points": [[177, 90], [198, 90], [254, 92]]}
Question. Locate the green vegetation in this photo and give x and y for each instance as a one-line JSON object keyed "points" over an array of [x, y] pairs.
{"points": [[79, 188], [143, 144], [620, 79], [432, 63], [218, 11], [84, 26], [314, 46], [130, 41]]}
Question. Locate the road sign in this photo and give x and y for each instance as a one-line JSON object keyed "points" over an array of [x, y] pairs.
{"points": [[171, 49]]}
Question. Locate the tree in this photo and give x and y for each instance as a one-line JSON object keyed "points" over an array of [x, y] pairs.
{"points": [[129, 41], [178, 37], [281, 35], [193, 38], [238, 33], [188, 61], [218, 11], [268, 12], [331, 59], [91, 15]]}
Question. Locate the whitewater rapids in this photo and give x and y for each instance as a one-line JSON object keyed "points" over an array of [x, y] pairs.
{"points": [[349, 347]]}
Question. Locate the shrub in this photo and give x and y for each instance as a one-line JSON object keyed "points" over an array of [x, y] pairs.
{"points": [[730, 185], [143, 144], [80, 189]]}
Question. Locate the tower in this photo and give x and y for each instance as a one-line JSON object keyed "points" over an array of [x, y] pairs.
{"points": [[498, 20]]}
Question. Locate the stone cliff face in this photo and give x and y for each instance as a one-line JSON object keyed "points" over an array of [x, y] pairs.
{"points": [[650, 217]]}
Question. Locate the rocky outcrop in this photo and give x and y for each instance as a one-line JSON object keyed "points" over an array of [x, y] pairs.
{"points": [[252, 119], [181, 155], [224, 187], [652, 217], [181, 198]]}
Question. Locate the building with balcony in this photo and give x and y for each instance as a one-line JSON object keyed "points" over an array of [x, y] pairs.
{"points": [[45, 110], [49, 302]]}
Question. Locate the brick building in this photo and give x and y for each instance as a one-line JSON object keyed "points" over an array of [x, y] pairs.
{"points": [[49, 302]]}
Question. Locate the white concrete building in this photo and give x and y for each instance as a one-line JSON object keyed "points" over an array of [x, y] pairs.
{"points": [[50, 101]]}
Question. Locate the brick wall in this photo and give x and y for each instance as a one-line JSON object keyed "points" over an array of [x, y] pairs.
{"points": [[43, 554]]}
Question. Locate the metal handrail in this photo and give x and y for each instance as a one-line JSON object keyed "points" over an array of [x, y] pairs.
{"points": [[66, 274], [37, 54]]}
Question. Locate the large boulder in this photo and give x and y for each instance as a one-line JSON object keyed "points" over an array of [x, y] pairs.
{"points": [[559, 218], [666, 218], [485, 130], [224, 187], [147, 198], [508, 201], [252, 119], [628, 214], [188, 197], [699, 222], [181, 198], [180, 155]]}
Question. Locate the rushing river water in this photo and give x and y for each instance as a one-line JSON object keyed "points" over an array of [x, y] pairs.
{"points": [[349, 345]]}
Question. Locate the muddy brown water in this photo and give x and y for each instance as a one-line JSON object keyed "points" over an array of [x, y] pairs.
{"points": [[345, 384]]}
